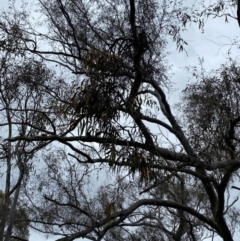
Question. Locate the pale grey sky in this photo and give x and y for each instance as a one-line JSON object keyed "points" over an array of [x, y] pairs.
{"points": [[3, 4]]}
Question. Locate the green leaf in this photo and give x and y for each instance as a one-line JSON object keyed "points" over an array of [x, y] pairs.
{"points": [[82, 126], [113, 153]]}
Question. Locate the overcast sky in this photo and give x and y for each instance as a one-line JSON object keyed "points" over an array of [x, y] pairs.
{"points": [[206, 45]]}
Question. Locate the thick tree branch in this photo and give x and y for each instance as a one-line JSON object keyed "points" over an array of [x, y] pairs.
{"points": [[167, 112], [122, 215]]}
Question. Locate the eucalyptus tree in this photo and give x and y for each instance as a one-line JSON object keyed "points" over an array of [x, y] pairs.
{"points": [[26, 89], [19, 100], [174, 173]]}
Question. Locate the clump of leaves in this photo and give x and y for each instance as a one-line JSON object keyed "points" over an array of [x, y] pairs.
{"points": [[212, 111]]}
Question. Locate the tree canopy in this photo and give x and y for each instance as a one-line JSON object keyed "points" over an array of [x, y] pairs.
{"points": [[90, 145]]}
